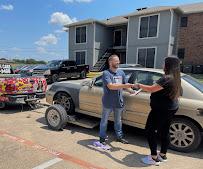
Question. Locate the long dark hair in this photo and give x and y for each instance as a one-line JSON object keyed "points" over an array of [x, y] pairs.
{"points": [[172, 69]]}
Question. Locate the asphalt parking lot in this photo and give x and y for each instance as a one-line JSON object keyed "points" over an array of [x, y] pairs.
{"points": [[26, 143]]}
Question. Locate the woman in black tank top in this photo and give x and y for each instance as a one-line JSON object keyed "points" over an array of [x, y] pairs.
{"points": [[164, 104]]}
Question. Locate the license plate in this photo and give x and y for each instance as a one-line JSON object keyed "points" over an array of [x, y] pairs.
{"points": [[20, 100]]}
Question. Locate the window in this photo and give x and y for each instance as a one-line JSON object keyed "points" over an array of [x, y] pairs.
{"points": [[80, 57], [181, 53], [146, 57], [148, 26], [183, 21], [71, 63], [64, 63], [147, 78], [81, 36]]}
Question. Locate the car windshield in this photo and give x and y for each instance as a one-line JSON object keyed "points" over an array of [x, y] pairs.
{"points": [[194, 82], [54, 63]]}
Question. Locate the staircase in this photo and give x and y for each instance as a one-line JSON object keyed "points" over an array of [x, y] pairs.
{"points": [[101, 63]]}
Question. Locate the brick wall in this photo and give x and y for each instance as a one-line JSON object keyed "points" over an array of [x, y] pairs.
{"points": [[191, 38]]}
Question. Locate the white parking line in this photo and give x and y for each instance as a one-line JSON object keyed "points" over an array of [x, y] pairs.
{"points": [[48, 163]]}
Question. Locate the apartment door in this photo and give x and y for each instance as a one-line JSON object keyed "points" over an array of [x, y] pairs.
{"points": [[122, 57], [118, 37]]}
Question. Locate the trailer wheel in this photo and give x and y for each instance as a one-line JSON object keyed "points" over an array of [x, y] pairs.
{"points": [[2, 105], [56, 117]]}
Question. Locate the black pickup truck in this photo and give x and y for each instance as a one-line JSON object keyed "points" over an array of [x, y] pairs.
{"points": [[57, 69]]}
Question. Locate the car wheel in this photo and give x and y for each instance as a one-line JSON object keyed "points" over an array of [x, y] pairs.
{"points": [[2, 105], [55, 78], [66, 101], [56, 117], [185, 136], [83, 74]]}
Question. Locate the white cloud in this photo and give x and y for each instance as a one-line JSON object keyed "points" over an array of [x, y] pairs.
{"points": [[41, 50], [59, 31], [80, 1], [8, 7], [49, 39], [61, 19]]}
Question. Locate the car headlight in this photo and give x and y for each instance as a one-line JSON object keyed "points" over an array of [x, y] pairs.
{"points": [[47, 72]]}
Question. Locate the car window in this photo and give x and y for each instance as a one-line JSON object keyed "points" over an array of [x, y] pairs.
{"points": [[128, 74], [71, 63], [155, 77], [147, 78], [65, 63]]}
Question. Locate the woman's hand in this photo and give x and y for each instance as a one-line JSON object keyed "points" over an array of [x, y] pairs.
{"points": [[136, 86]]}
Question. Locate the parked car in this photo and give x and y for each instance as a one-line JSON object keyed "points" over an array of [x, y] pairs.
{"points": [[15, 88], [19, 68], [130, 65], [57, 69], [85, 97], [28, 70]]}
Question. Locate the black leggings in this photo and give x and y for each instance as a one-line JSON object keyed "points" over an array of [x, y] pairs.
{"points": [[159, 120]]}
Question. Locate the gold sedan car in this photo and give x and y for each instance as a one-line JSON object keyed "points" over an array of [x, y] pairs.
{"points": [[85, 97]]}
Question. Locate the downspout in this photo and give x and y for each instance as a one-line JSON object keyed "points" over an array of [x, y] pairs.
{"points": [[170, 33], [94, 44], [127, 40]]}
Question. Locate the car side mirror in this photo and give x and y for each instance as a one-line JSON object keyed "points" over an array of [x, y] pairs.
{"points": [[90, 84]]}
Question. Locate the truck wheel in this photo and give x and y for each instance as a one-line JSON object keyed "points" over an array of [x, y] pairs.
{"points": [[185, 136], [55, 78], [83, 74], [2, 105], [66, 101], [56, 117]]}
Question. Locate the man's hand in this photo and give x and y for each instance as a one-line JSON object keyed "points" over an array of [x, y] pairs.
{"points": [[129, 85]]}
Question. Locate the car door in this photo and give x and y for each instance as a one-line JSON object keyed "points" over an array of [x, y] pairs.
{"points": [[138, 107], [63, 69], [72, 66], [90, 98]]}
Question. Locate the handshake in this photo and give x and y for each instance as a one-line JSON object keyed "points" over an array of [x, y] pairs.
{"points": [[129, 85]]}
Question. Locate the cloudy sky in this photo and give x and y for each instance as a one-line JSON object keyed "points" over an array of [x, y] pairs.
{"points": [[34, 28]]}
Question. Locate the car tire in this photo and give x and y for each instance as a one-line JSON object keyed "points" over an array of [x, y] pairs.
{"points": [[66, 101], [185, 136], [2, 105], [56, 117], [55, 78], [83, 74]]}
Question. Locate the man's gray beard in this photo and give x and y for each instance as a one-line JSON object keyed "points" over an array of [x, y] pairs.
{"points": [[116, 66]]}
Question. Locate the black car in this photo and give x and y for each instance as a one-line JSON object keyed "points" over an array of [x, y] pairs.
{"points": [[57, 69]]}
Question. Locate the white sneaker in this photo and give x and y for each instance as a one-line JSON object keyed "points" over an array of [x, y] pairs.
{"points": [[149, 161], [162, 159]]}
